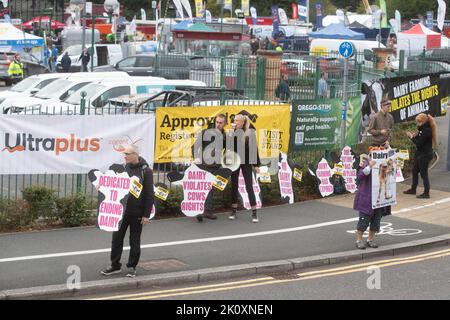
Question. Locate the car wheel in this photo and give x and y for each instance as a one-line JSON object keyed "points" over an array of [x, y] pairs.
{"points": [[8, 82]]}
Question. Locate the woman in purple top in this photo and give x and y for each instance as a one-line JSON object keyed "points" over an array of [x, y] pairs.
{"points": [[363, 204]]}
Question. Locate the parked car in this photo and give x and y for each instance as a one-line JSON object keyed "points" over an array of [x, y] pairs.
{"points": [[49, 99], [441, 54], [28, 87], [31, 65], [166, 66], [295, 68], [426, 66], [180, 96], [98, 95]]}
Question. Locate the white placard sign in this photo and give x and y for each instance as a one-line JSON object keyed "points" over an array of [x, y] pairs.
{"points": [[384, 178], [349, 173], [324, 174], [285, 179]]}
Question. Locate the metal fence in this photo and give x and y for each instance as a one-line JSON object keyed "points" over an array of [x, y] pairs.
{"points": [[254, 80], [64, 185], [258, 76]]}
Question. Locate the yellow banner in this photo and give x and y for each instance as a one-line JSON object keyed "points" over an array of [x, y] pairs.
{"points": [[245, 7], [199, 8], [228, 4], [178, 127]]}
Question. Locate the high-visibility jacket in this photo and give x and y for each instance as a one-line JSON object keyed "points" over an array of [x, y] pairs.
{"points": [[15, 69]]}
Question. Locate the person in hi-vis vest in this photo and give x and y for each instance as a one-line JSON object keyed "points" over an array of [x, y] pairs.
{"points": [[16, 70]]}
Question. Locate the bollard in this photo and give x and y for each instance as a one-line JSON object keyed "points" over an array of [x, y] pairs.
{"points": [[82, 111]]}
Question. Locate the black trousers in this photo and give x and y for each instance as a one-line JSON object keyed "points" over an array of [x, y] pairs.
{"points": [[421, 166], [247, 172], [135, 242]]}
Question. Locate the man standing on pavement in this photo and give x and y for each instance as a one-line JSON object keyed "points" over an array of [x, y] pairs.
{"points": [[137, 213], [209, 161], [381, 126], [85, 57], [53, 57], [282, 91], [323, 87], [16, 69], [66, 62]]}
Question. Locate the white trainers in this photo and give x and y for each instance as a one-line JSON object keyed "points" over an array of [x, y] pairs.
{"points": [[255, 218], [232, 216]]}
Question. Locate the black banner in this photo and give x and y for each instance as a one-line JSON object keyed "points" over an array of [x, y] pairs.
{"points": [[410, 95]]}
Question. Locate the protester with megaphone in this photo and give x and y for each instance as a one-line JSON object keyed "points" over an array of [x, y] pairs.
{"points": [[243, 140], [208, 158]]}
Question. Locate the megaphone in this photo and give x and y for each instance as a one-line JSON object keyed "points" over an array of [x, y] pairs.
{"points": [[230, 160]]}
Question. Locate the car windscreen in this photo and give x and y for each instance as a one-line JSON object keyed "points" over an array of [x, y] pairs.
{"points": [[54, 89], [25, 84], [74, 50], [90, 89]]}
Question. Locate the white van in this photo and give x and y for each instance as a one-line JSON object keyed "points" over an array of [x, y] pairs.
{"points": [[319, 47], [104, 54], [97, 95], [56, 92], [29, 86]]}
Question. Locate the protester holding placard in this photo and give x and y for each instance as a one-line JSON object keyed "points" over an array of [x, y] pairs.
{"points": [[244, 141], [363, 204], [137, 212], [425, 140], [381, 126], [209, 160]]}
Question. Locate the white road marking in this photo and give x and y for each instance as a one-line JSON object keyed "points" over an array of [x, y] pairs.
{"points": [[182, 242], [445, 200], [237, 236]]}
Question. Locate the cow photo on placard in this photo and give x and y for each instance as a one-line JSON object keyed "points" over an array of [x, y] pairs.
{"points": [[384, 178]]}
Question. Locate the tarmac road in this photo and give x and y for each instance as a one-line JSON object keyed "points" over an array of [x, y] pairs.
{"points": [[299, 230], [423, 275]]}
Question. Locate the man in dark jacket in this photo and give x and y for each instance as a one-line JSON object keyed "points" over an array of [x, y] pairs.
{"points": [[85, 57], [137, 213], [209, 161], [282, 91], [66, 62]]}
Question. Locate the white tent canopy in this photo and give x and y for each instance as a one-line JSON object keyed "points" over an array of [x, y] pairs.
{"points": [[364, 19], [13, 39], [418, 37], [10, 33]]}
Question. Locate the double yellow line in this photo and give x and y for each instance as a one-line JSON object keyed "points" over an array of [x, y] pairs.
{"points": [[262, 281]]}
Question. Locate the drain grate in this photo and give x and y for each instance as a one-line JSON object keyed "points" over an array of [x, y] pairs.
{"points": [[284, 275], [159, 264]]}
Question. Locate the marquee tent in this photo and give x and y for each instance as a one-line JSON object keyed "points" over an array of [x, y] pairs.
{"points": [[13, 39], [337, 31], [416, 38], [44, 21]]}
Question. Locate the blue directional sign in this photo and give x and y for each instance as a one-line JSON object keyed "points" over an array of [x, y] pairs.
{"points": [[346, 49]]}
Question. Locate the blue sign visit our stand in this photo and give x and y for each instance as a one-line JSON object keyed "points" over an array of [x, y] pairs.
{"points": [[346, 49]]}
